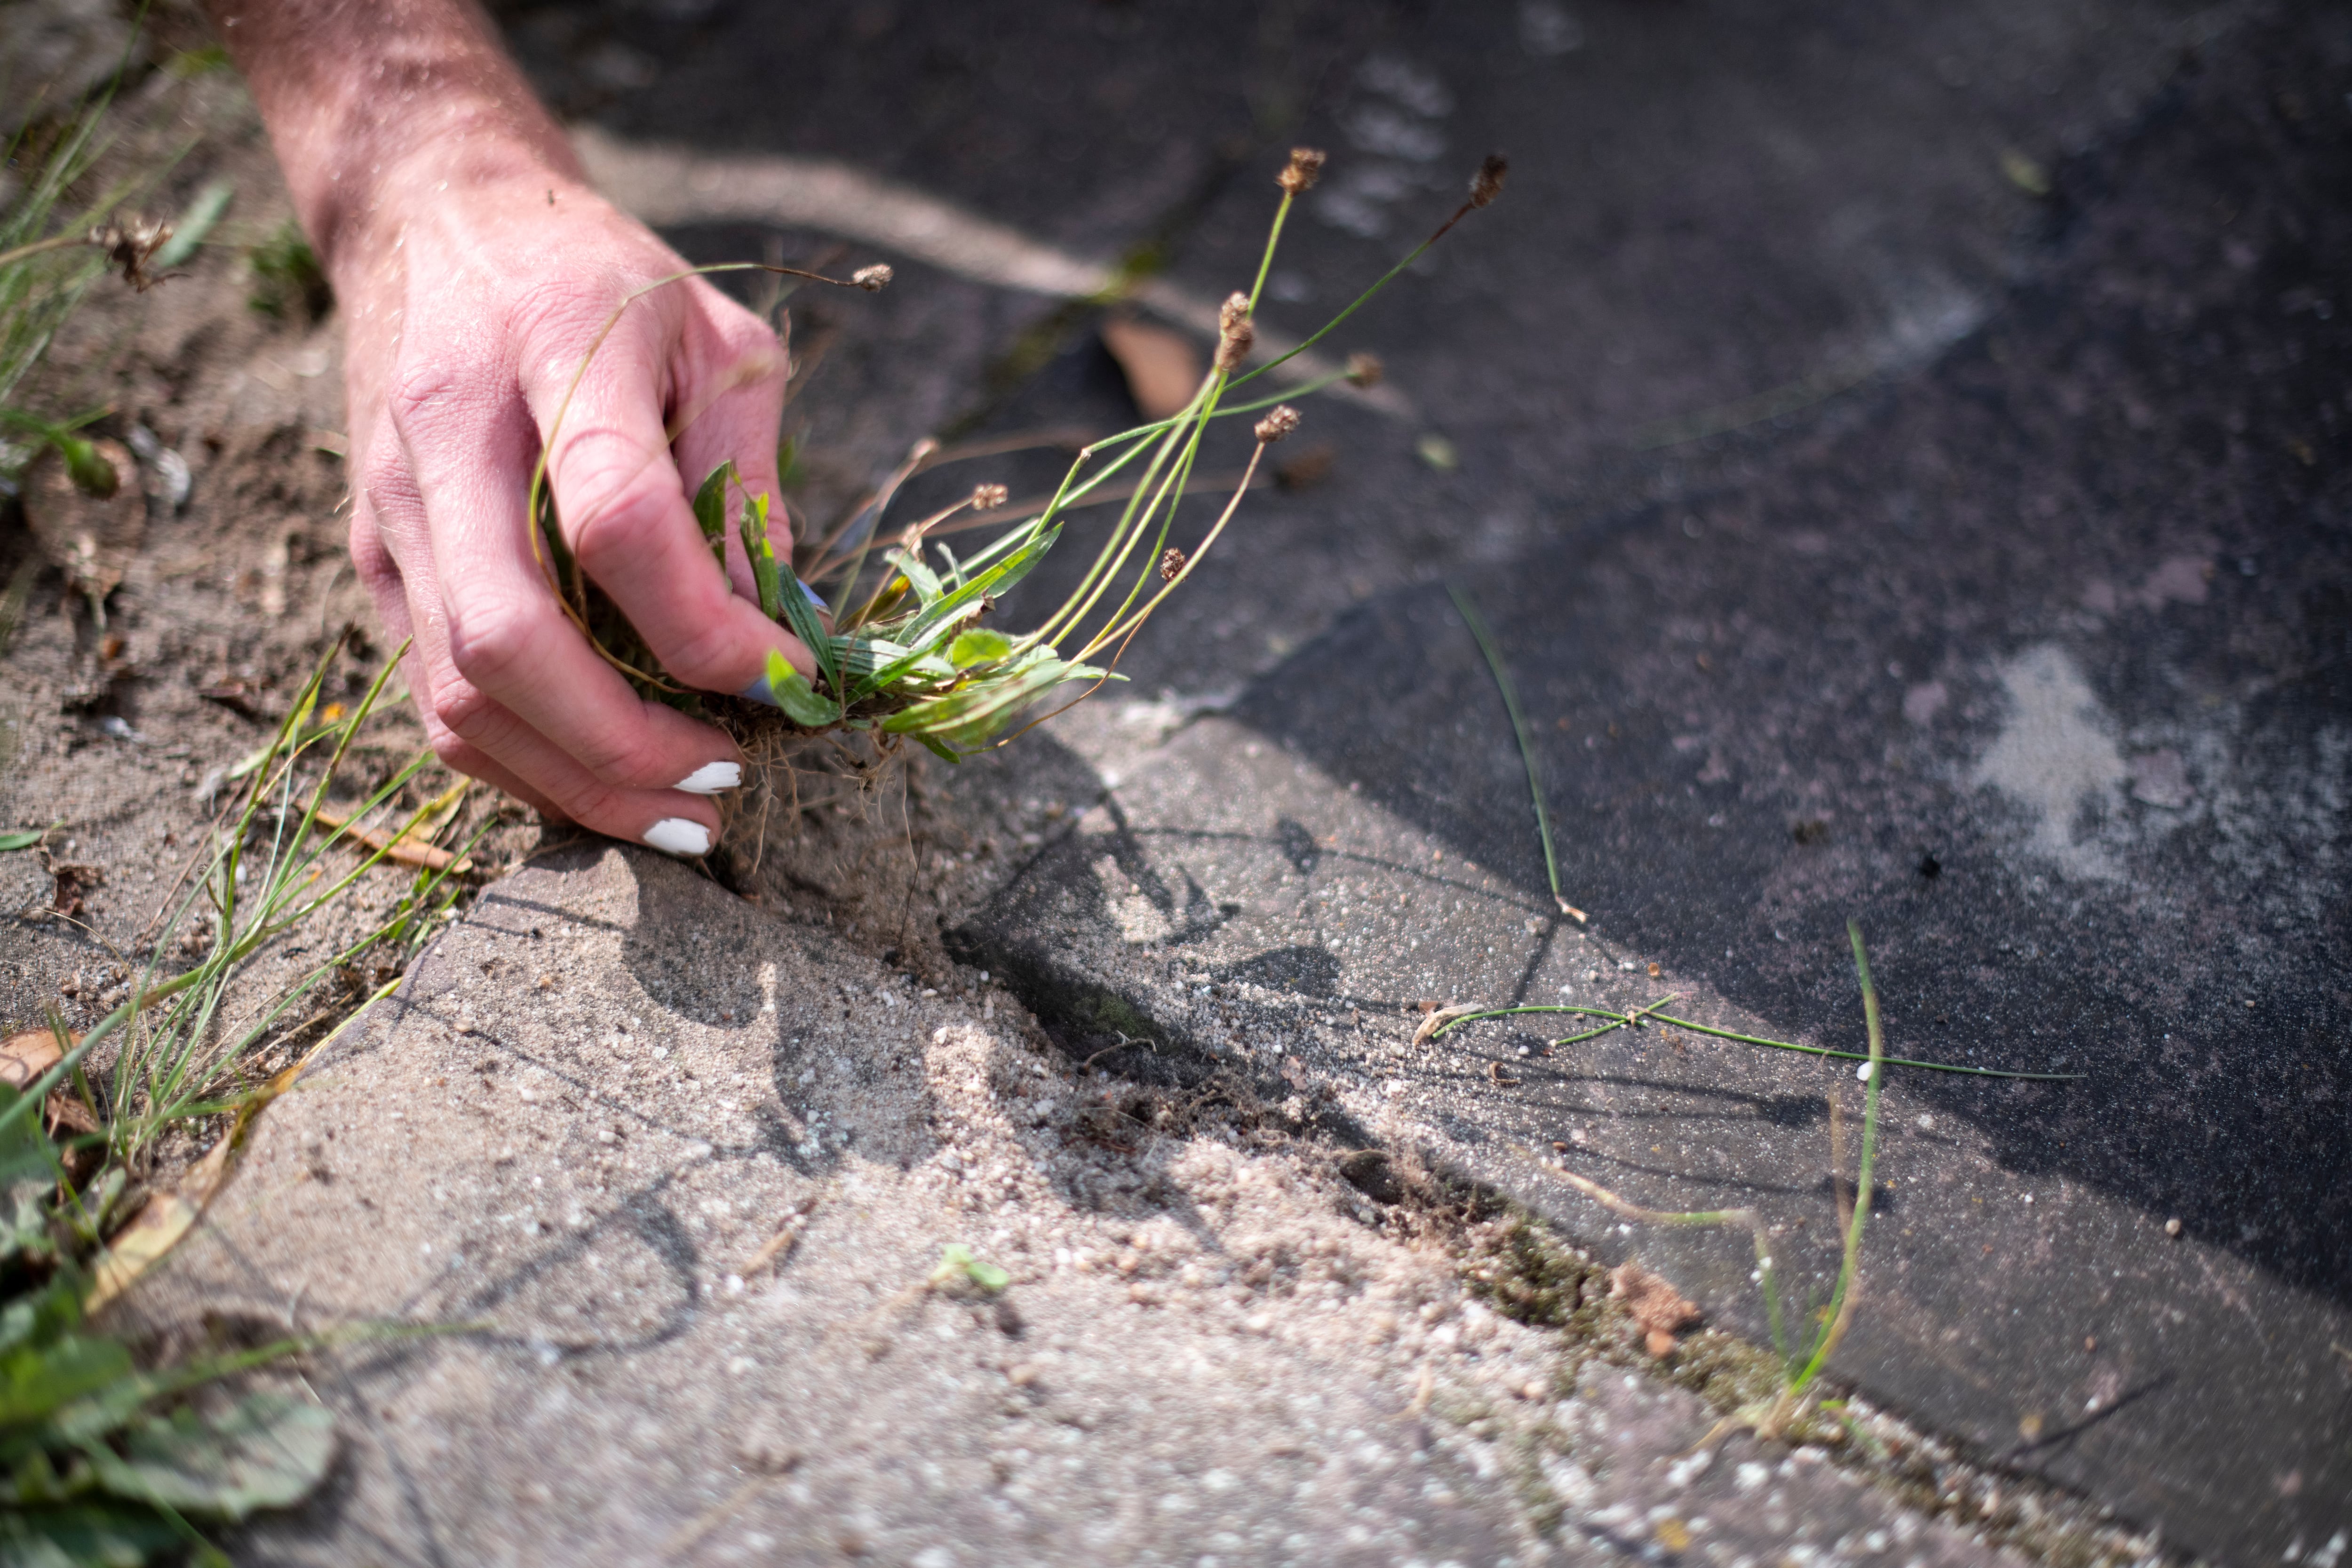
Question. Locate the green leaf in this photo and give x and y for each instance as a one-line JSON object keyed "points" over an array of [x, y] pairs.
{"points": [[268, 1450], [977, 646], [35, 1379], [800, 615], [939, 748], [710, 509], [958, 1265], [24, 839], [84, 1536], [194, 224], [969, 716], [952, 607], [87, 466], [997, 579], [754, 526], [925, 582], [799, 699]]}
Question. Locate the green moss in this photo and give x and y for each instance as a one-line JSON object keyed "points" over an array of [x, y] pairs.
{"points": [[1530, 1277]]}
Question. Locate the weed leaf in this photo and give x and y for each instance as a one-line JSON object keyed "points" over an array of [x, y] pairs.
{"points": [[800, 615], [925, 582], [265, 1451], [710, 509], [23, 840], [977, 646], [84, 1536], [35, 1379], [799, 701]]}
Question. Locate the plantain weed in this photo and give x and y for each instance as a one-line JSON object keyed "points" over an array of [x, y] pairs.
{"points": [[906, 657]]}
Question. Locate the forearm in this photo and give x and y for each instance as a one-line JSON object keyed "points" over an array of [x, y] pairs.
{"points": [[366, 99]]}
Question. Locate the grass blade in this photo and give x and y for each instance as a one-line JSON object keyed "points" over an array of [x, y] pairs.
{"points": [[1486, 639]]}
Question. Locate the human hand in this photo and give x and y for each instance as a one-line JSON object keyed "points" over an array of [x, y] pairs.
{"points": [[469, 311]]}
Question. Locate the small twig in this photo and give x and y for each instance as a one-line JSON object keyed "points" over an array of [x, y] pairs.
{"points": [[401, 846]]}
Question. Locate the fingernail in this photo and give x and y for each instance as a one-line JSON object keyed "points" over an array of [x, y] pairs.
{"points": [[712, 777], [813, 599], [680, 835], [760, 691]]}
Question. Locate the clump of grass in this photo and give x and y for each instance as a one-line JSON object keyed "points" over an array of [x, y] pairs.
{"points": [[289, 283], [107, 1462], [1799, 1365], [43, 275], [906, 654]]}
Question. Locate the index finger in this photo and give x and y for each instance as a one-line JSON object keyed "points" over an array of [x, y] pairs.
{"points": [[624, 511]]}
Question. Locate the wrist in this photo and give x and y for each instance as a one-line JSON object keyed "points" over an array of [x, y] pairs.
{"points": [[466, 157], [378, 108]]}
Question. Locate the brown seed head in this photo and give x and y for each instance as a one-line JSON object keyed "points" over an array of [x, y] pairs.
{"points": [[127, 247], [1365, 369], [874, 278], [1300, 173], [1276, 424], [1487, 182], [988, 497], [1171, 565], [1235, 333]]}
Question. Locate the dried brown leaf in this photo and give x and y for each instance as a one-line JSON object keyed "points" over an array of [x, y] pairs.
{"points": [[1162, 367], [1659, 1309]]}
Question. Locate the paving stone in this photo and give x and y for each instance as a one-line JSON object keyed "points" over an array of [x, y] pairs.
{"points": [[571, 1143], [2034, 663]]}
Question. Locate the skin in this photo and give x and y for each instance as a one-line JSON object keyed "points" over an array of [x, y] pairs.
{"points": [[474, 267]]}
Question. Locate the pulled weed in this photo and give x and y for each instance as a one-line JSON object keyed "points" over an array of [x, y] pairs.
{"points": [[907, 656]]}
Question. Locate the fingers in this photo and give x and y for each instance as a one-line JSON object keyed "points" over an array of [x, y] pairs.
{"points": [[473, 732], [731, 410], [520, 681], [623, 502]]}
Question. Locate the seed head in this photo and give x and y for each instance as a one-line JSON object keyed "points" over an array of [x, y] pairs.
{"points": [[988, 497], [1300, 173], [1235, 332], [1487, 182], [875, 279], [1171, 565], [1276, 424], [1365, 369], [127, 247]]}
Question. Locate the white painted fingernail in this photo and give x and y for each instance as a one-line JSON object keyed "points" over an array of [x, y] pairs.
{"points": [[680, 835], [712, 777]]}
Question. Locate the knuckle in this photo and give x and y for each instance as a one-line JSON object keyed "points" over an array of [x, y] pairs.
{"points": [[451, 749], [456, 712], [594, 803], [490, 645], [615, 506], [702, 659], [419, 396]]}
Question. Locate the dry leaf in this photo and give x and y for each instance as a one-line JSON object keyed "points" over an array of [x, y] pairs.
{"points": [[23, 1057], [1659, 1309], [1439, 1019], [1162, 368], [167, 1216]]}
